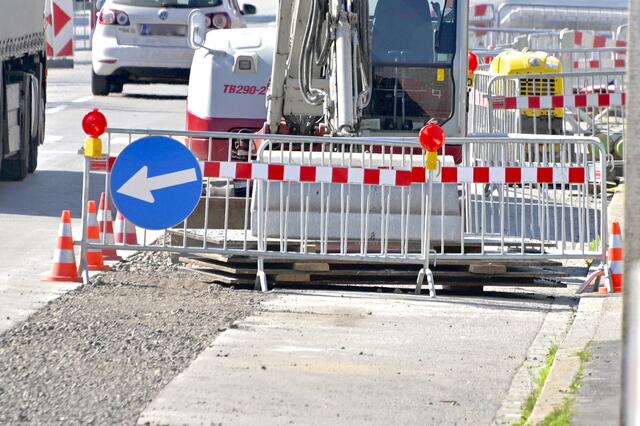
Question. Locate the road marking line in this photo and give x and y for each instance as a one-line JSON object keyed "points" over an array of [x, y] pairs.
{"points": [[52, 151], [82, 99], [52, 138], [56, 109]]}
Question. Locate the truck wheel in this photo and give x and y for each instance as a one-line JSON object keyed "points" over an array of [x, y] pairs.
{"points": [[33, 158], [37, 139], [17, 166], [99, 85]]}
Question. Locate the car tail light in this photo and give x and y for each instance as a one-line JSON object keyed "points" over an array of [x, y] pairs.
{"points": [[113, 17], [218, 21]]}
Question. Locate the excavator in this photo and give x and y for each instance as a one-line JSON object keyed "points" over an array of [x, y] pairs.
{"points": [[363, 77], [336, 68], [377, 67]]}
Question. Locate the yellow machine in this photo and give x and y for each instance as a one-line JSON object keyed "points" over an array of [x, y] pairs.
{"points": [[520, 63]]}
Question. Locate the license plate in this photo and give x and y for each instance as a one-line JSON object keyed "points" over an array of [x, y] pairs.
{"points": [[163, 30]]}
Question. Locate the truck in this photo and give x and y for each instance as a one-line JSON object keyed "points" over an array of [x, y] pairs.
{"points": [[22, 87]]}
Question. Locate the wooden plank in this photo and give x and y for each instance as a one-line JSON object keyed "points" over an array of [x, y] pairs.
{"points": [[311, 266], [293, 277], [487, 268], [221, 278]]}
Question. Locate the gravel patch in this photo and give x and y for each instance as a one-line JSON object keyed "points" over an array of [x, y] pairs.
{"points": [[100, 354]]}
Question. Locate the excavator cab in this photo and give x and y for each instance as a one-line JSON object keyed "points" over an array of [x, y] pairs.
{"points": [[413, 44]]}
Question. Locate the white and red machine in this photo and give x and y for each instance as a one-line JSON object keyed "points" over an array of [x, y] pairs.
{"points": [[228, 85], [335, 68], [377, 67]]}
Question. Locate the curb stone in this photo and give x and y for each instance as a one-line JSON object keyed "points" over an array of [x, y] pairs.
{"points": [[567, 362], [583, 330], [553, 330]]}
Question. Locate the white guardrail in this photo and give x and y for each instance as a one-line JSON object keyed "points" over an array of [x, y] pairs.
{"points": [[372, 200]]}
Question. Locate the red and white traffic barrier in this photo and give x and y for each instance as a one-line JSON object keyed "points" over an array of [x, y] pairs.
{"points": [[59, 32], [482, 14], [102, 164], [392, 177], [599, 64], [591, 41], [559, 101]]}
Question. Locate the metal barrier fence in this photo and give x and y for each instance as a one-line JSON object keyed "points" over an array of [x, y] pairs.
{"points": [[578, 104], [622, 32], [571, 39], [372, 200], [577, 50], [596, 18], [482, 15], [83, 23], [495, 37]]}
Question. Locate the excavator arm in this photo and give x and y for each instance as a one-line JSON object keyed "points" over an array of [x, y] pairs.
{"points": [[321, 70], [340, 70]]}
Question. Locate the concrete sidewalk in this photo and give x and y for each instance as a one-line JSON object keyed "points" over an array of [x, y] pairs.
{"points": [[321, 358], [596, 330], [597, 402]]}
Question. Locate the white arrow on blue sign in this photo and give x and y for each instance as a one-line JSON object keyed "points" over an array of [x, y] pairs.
{"points": [[156, 182]]}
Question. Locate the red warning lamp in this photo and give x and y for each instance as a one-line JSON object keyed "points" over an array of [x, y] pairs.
{"points": [[473, 62], [94, 123], [432, 137]]}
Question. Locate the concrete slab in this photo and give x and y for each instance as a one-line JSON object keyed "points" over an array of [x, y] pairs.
{"points": [[319, 358]]}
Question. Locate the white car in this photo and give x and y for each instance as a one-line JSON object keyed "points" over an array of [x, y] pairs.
{"points": [[145, 41]]}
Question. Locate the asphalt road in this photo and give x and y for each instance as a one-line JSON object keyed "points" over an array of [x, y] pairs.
{"points": [[30, 210]]}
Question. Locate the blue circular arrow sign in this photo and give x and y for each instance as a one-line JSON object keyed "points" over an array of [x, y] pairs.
{"points": [[156, 182]]}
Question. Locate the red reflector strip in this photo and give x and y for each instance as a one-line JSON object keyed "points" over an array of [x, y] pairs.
{"points": [[391, 177], [557, 101], [102, 164]]}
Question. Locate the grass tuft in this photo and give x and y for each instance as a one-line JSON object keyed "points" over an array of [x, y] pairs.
{"points": [[561, 416], [530, 403]]}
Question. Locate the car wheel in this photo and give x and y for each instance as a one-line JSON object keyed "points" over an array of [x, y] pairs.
{"points": [[99, 85], [116, 87]]}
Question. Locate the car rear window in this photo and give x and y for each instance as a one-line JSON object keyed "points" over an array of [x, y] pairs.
{"points": [[171, 3]]}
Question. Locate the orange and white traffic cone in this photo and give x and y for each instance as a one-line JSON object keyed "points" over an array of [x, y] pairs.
{"points": [[95, 261], [615, 263], [125, 231], [616, 258], [105, 223], [64, 258]]}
